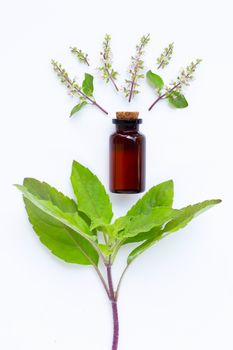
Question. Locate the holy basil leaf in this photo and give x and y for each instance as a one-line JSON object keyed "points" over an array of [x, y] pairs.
{"points": [[87, 85], [104, 249], [118, 225], [158, 196], [141, 248], [155, 80], [145, 222], [60, 239], [154, 232], [177, 100], [69, 218], [91, 195], [188, 213], [44, 191], [181, 220], [78, 107]]}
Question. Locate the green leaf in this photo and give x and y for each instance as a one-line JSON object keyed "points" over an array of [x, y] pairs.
{"points": [[141, 248], [78, 107], [87, 85], [44, 191], [91, 195], [155, 80], [62, 241], [181, 220], [177, 100], [188, 213], [56, 221], [118, 225], [104, 249], [143, 236], [56, 202], [143, 223], [158, 196]]}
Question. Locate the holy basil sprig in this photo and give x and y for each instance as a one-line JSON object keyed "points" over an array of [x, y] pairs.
{"points": [[173, 91], [84, 92], [75, 231]]}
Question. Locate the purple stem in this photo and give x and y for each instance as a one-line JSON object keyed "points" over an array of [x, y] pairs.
{"points": [[113, 300], [109, 74], [163, 96]]}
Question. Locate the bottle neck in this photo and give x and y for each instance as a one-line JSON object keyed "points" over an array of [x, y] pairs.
{"points": [[124, 128]]}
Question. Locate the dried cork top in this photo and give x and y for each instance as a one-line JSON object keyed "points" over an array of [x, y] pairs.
{"points": [[127, 115]]}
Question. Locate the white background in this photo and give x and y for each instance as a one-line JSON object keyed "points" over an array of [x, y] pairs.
{"points": [[179, 294]]}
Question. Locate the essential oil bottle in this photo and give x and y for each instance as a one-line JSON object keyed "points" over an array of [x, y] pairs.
{"points": [[127, 154]]}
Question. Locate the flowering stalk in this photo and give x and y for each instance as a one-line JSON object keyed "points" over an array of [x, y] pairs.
{"points": [[74, 88], [183, 79], [81, 56], [108, 73], [165, 57], [137, 65]]}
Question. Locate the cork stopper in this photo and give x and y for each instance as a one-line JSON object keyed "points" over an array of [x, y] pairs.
{"points": [[127, 115]]}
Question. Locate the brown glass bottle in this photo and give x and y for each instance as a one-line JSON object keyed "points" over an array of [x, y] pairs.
{"points": [[127, 155]]}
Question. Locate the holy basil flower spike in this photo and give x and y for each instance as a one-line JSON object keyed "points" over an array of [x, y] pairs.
{"points": [[109, 74], [81, 231], [136, 69], [81, 56], [165, 57]]}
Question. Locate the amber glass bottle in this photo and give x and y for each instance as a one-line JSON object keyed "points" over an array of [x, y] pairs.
{"points": [[127, 155]]}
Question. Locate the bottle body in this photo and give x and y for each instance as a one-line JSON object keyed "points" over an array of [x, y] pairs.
{"points": [[127, 158]]}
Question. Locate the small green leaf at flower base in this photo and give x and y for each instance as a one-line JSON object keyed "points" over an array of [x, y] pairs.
{"points": [[77, 108], [155, 80], [177, 100], [87, 85]]}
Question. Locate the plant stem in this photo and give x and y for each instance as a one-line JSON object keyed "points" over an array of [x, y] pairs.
{"points": [[97, 105], [163, 96], [102, 279], [85, 59], [113, 300], [120, 281], [110, 76], [154, 103]]}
